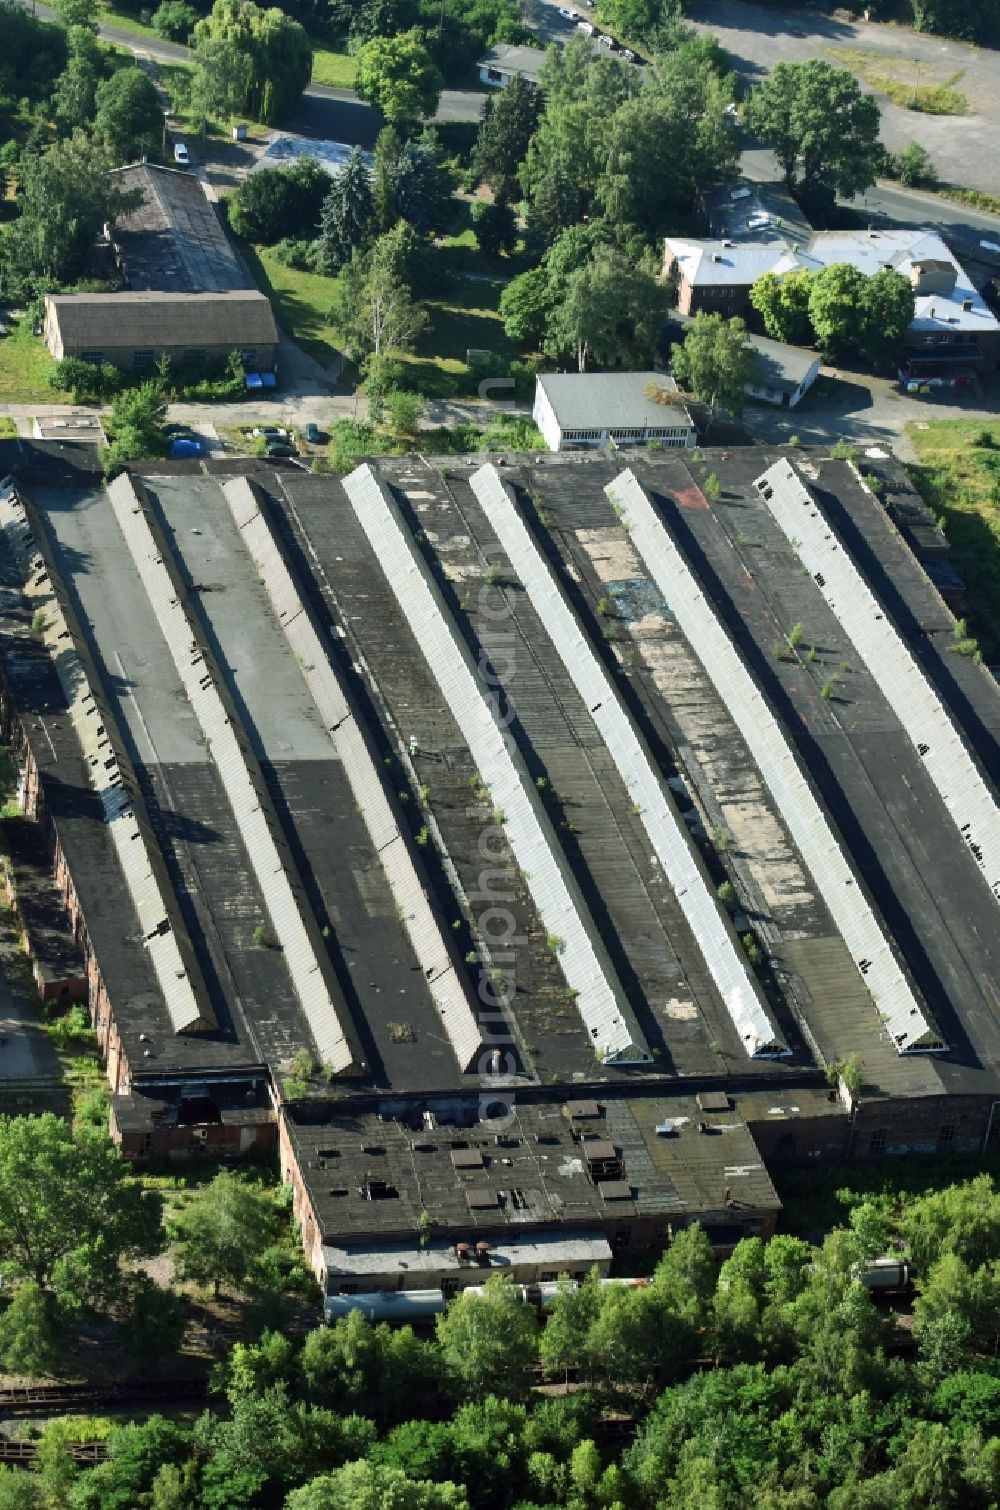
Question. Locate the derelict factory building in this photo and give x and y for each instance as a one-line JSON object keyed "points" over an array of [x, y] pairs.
{"points": [[515, 846]]}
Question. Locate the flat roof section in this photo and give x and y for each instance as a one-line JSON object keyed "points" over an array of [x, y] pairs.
{"points": [[872, 951], [657, 811], [966, 795], [601, 1000]]}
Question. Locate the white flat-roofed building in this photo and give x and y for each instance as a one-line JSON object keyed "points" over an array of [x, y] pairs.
{"points": [[586, 410]]}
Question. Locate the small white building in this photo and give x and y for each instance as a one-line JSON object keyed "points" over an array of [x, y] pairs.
{"points": [[584, 410], [782, 373], [505, 62]]}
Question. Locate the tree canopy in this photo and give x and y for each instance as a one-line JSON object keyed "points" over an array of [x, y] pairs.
{"points": [[823, 129], [714, 363], [276, 203], [128, 117], [251, 61], [66, 198], [398, 76], [71, 1209], [225, 1226]]}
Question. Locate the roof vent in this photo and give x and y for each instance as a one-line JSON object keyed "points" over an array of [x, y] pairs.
{"points": [[716, 257], [967, 306], [729, 243]]}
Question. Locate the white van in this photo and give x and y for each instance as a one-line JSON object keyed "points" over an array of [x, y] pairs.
{"points": [[181, 157]]}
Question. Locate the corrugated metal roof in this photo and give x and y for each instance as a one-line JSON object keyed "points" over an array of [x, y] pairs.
{"points": [[966, 795], [364, 773], [612, 400], [657, 811], [908, 1022], [600, 998], [290, 915], [164, 936]]}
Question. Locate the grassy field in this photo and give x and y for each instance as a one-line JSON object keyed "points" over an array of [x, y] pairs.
{"points": [[904, 81], [959, 477], [302, 299], [465, 318], [335, 69], [112, 16], [24, 363]]}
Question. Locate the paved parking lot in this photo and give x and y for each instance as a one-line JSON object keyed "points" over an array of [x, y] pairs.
{"points": [[867, 411], [963, 148]]}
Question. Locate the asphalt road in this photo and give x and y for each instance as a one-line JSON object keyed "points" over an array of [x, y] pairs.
{"points": [[335, 113]]}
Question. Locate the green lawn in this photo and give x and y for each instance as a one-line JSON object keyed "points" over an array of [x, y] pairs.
{"points": [[465, 318], [960, 480], [8, 429], [302, 299], [335, 69], [24, 363]]}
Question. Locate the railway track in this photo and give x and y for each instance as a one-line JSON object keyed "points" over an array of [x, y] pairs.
{"points": [[24, 1454], [37, 1399]]}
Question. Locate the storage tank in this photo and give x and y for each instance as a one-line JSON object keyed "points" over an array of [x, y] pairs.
{"points": [[387, 1305], [886, 1274]]}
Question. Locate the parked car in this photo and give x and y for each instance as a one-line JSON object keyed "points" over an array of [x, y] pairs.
{"points": [[181, 155], [608, 42], [567, 15], [586, 26], [269, 432], [279, 448], [185, 445], [312, 433]]}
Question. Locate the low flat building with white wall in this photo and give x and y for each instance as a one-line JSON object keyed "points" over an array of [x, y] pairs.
{"points": [[586, 410]]}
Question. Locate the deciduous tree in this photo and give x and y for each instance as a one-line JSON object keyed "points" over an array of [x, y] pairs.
{"points": [[783, 305], [279, 203], [128, 116], [71, 1210], [495, 226], [257, 62], [66, 198], [836, 304], [487, 1341], [397, 76], [824, 131], [223, 1228], [715, 364]]}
